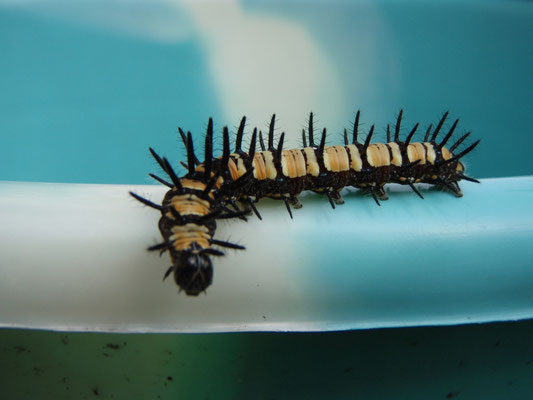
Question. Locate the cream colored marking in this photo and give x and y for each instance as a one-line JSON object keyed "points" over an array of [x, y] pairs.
{"points": [[183, 236], [269, 165], [378, 155], [312, 167], [342, 156], [190, 227], [241, 169], [259, 167], [195, 185], [192, 184], [233, 169], [330, 158], [190, 204], [431, 155], [396, 154], [299, 161], [356, 164], [446, 153], [287, 164], [415, 152], [292, 163], [336, 159]]}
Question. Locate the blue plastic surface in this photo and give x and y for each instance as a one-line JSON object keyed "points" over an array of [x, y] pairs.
{"points": [[436, 261]]}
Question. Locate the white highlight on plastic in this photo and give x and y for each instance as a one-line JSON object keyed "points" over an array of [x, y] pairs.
{"points": [[265, 64]]}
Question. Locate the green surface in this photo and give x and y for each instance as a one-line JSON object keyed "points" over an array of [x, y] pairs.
{"points": [[492, 361]]}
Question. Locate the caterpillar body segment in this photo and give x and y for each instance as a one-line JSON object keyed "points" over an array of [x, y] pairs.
{"points": [[370, 166], [188, 218], [229, 186], [187, 230]]}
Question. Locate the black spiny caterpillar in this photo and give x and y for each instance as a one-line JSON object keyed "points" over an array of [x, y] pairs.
{"points": [[214, 189]]}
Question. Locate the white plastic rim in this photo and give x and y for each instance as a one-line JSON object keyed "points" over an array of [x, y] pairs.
{"points": [[73, 258]]}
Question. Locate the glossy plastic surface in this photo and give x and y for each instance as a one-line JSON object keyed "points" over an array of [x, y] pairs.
{"points": [[73, 257]]}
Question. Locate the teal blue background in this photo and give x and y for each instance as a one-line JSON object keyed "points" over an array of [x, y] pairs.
{"points": [[79, 104], [82, 104]]}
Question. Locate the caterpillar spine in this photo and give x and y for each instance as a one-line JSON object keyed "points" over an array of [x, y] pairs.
{"points": [[207, 191]]}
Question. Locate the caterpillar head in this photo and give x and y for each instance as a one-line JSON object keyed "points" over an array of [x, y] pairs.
{"points": [[193, 272]]}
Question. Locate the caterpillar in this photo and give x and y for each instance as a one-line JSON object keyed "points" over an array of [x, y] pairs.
{"points": [[229, 186]]}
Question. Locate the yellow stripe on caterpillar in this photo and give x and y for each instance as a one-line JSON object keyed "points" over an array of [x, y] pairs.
{"points": [[378, 155], [356, 163], [430, 153], [183, 236], [396, 154], [336, 158], [415, 152], [189, 204], [271, 171], [312, 167]]}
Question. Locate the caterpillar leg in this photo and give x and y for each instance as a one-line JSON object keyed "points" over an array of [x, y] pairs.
{"points": [[452, 187], [381, 193], [295, 202], [334, 197], [337, 198], [458, 191]]}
